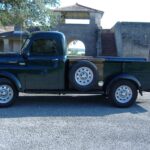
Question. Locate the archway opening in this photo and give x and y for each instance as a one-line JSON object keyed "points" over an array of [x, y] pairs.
{"points": [[76, 48]]}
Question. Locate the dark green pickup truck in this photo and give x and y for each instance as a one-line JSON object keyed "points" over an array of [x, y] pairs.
{"points": [[43, 67]]}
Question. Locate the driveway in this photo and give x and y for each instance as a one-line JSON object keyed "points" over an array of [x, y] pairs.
{"points": [[74, 123]]}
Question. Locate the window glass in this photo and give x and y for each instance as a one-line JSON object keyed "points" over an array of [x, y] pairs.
{"points": [[44, 47], [26, 42]]}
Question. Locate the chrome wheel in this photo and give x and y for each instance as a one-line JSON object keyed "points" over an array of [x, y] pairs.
{"points": [[123, 94], [84, 76], [6, 94]]}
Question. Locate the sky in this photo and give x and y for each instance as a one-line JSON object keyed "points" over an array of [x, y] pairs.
{"points": [[117, 10]]}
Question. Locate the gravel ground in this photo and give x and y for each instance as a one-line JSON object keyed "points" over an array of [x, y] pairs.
{"points": [[74, 123]]}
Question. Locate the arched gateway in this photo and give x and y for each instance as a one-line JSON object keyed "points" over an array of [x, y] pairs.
{"points": [[82, 23]]}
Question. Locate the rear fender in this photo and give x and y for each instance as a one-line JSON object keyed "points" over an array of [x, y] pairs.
{"points": [[123, 77]]}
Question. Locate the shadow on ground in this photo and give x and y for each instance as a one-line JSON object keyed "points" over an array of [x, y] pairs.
{"points": [[44, 106]]}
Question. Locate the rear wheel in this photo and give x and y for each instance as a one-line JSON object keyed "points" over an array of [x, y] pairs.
{"points": [[8, 93], [123, 93]]}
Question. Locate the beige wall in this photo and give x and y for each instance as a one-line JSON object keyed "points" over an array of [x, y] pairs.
{"points": [[6, 45], [6, 29], [10, 45], [15, 45]]}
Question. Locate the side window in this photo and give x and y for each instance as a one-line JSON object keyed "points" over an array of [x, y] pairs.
{"points": [[44, 47]]}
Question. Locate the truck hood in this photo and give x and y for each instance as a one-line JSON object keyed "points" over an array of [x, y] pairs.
{"points": [[9, 57]]}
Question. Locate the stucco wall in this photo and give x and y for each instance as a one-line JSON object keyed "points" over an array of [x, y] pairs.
{"points": [[132, 39], [10, 45], [88, 34]]}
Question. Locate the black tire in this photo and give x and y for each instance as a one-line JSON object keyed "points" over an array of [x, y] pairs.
{"points": [[120, 99], [91, 79], [8, 93]]}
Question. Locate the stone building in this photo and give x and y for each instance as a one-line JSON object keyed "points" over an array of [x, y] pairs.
{"points": [[132, 39], [11, 41], [78, 22], [124, 39]]}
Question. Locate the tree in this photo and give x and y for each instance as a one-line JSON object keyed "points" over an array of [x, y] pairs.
{"points": [[28, 13]]}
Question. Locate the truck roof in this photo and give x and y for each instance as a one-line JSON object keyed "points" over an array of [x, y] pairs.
{"points": [[47, 34]]}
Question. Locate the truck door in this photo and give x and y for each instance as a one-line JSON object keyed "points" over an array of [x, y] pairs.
{"points": [[43, 65]]}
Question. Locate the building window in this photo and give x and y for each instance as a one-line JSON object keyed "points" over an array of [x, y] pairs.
{"points": [[77, 21], [1, 45]]}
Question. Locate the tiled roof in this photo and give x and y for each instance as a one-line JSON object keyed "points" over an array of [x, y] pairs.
{"points": [[77, 8]]}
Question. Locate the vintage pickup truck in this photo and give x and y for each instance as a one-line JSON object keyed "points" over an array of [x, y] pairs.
{"points": [[43, 67]]}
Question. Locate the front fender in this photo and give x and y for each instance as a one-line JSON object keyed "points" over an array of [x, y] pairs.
{"points": [[12, 78], [124, 77]]}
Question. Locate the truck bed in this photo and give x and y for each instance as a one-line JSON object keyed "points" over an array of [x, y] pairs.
{"points": [[108, 58]]}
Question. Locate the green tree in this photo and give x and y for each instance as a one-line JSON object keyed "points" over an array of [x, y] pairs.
{"points": [[28, 13]]}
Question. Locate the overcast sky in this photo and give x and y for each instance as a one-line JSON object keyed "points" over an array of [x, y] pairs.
{"points": [[117, 10]]}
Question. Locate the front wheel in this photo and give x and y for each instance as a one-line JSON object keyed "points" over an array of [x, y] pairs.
{"points": [[8, 93], [123, 93]]}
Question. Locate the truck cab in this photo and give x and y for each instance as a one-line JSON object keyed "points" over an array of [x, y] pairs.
{"points": [[44, 59]]}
